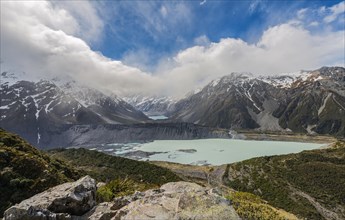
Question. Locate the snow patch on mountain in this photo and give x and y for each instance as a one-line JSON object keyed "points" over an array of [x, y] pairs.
{"points": [[152, 105], [324, 104]]}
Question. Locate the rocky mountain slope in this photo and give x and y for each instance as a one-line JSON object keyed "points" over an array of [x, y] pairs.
{"points": [[152, 105], [307, 102], [78, 135], [38, 109]]}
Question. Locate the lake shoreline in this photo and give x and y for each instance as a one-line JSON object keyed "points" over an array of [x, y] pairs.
{"points": [[289, 137]]}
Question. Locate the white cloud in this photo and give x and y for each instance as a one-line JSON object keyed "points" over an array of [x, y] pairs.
{"points": [[203, 2], [335, 11], [36, 38], [301, 13], [40, 37], [163, 11], [202, 40], [255, 5], [283, 48], [89, 21], [314, 24], [158, 19]]}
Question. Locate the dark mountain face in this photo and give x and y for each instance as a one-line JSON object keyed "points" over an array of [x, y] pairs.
{"points": [[36, 110], [307, 102]]}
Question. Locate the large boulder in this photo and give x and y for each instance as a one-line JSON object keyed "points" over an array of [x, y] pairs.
{"points": [[178, 200], [60, 202], [103, 211]]}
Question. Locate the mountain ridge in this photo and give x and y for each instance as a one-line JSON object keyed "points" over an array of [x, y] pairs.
{"points": [[239, 101], [37, 109]]}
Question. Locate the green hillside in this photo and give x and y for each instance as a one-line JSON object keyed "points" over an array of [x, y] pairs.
{"points": [[26, 171], [104, 167], [309, 184]]}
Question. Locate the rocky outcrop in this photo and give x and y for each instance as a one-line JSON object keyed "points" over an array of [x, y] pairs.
{"points": [[76, 201], [103, 211], [60, 202], [179, 200]]}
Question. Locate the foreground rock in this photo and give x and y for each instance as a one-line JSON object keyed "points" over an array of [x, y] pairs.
{"points": [[60, 202], [178, 200], [76, 201]]}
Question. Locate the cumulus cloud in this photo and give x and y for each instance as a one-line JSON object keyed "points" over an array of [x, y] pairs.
{"points": [[37, 38], [90, 24], [283, 48], [335, 11], [49, 39]]}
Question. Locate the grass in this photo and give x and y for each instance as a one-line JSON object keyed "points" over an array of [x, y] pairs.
{"points": [[118, 188], [251, 207], [318, 173], [104, 167], [26, 171]]}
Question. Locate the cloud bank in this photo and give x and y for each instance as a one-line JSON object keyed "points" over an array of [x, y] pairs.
{"points": [[52, 39]]}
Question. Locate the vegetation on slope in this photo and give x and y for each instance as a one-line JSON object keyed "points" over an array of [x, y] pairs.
{"points": [[309, 184], [118, 188], [251, 207], [123, 176], [26, 171], [104, 167]]}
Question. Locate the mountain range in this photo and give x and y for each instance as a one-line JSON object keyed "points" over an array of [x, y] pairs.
{"points": [[311, 102], [306, 102], [38, 109]]}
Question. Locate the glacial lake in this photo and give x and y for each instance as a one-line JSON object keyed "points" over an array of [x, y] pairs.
{"points": [[205, 151]]}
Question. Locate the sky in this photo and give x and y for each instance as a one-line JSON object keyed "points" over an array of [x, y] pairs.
{"points": [[169, 47]]}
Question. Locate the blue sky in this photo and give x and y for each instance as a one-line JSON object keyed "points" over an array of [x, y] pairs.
{"points": [[168, 47], [159, 29]]}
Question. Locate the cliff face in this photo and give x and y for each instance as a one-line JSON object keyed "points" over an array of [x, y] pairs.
{"points": [[74, 135]]}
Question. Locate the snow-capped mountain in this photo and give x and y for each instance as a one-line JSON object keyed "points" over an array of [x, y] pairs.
{"points": [[308, 101], [152, 105], [36, 109]]}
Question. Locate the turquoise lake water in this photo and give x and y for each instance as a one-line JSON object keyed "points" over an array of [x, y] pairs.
{"points": [[216, 151]]}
